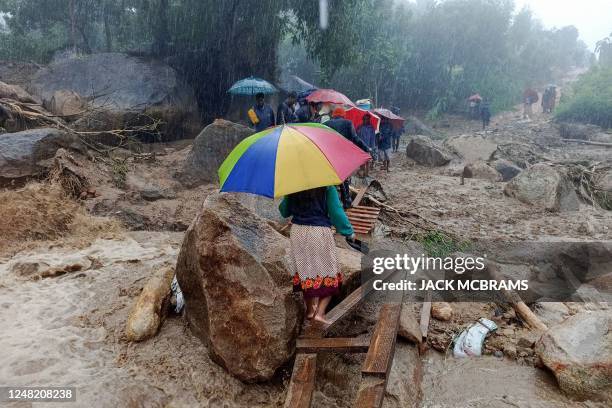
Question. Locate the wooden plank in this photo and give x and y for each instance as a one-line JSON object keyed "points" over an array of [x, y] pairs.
{"points": [[358, 220], [302, 382], [359, 196], [371, 393], [353, 216], [382, 345], [425, 315], [361, 224], [348, 304], [365, 210], [337, 344]]}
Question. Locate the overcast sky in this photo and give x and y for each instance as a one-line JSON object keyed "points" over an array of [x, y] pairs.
{"points": [[592, 18]]}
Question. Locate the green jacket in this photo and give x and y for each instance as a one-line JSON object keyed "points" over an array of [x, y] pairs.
{"points": [[335, 213]]}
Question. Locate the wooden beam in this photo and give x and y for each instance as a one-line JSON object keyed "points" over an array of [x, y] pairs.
{"points": [[302, 382], [382, 345], [425, 316], [371, 393], [517, 303], [359, 196], [337, 344]]}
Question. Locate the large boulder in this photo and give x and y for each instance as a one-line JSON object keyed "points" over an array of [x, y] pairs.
{"points": [[481, 170], [15, 92], [580, 131], [123, 90], [66, 104], [545, 187], [149, 311], [579, 354], [424, 151], [26, 154], [234, 270], [210, 148], [507, 169], [471, 148]]}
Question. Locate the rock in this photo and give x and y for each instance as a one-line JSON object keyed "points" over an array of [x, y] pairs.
{"points": [[262, 206], [409, 328], [481, 170], [578, 130], [528, 340], [17, 72], [65, 103], [507, 169], [124, 90], [551, 313], [603, 282], [441, 311], [510, 351], [22, 153], [579, 354], [521, 154], [209, 150], [149, 311], [425, 152], [234, 270], [471, 148], [155, 193], [545, 187], [40, 267], [405, 377], [15, 92], [416, 127]]}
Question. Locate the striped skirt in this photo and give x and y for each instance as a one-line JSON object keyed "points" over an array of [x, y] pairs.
{"points": [[315, 261]]}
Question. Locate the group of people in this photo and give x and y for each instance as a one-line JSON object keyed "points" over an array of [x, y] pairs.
{"points": [[299, 110], [531, 96], [313, 212]]}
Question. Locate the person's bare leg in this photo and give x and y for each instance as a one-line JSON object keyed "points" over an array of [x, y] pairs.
{"points": [[311, 307], [321, 310]]}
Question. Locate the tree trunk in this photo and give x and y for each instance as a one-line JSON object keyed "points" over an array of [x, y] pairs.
{"points": [[107, 29], [160, 45]]}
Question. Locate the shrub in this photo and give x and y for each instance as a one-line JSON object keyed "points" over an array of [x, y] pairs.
{"points": [[589, 100]]}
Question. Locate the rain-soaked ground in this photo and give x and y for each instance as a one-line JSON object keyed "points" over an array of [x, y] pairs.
{"points": [[68, 329]]}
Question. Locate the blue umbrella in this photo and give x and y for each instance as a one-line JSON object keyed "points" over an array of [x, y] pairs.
{"points": [[252, 86]]}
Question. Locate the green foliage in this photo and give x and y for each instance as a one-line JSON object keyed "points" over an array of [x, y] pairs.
{"points": [[589, 99], [438, 244], [431, 55]]}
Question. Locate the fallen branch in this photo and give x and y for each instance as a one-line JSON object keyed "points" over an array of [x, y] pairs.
{"points": [[587, 142], [515, 301]]}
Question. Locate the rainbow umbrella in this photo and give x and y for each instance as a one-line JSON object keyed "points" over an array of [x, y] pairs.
{"points": [[286, 159]]}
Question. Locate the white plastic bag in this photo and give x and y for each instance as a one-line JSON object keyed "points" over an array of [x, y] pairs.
{"points": [[470, 341], [178, 294]]}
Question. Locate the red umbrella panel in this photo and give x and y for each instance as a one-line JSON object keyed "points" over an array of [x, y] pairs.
{"points": [[396, 121], [329, 96], [356, 115]]}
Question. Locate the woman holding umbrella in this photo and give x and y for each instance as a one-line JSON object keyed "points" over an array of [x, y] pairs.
{"points": [[302, 163], [313, 247]]}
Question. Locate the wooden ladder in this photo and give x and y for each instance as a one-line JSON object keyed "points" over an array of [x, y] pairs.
{"points": [[379, 348]]}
